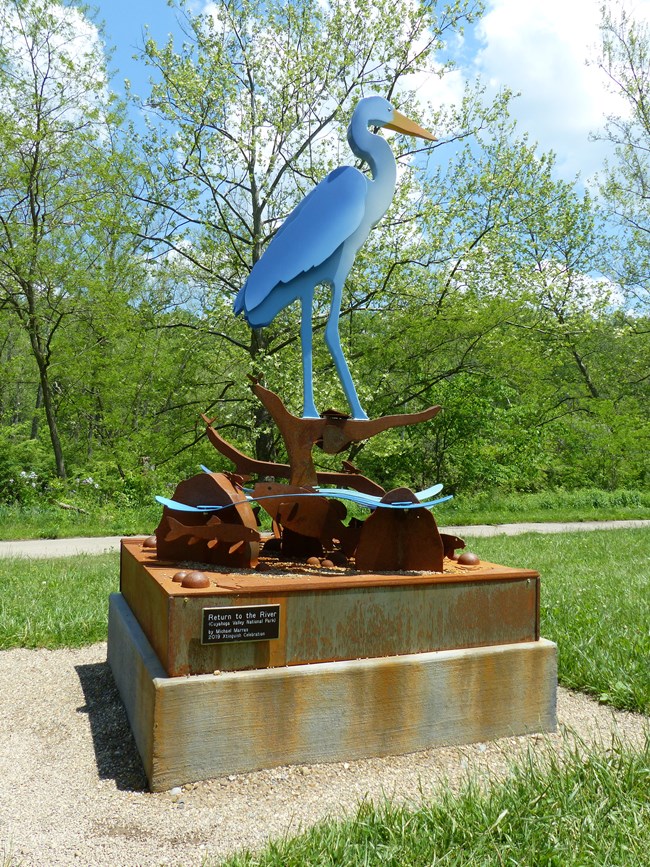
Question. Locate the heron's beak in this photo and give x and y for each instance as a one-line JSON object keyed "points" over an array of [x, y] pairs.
{"points": [[400, 123]]}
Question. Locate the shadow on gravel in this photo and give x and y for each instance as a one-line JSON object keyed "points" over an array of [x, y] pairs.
{"points": [[115, 750]]}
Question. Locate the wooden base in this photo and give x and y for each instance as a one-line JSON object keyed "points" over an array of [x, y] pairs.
{"points": [[194, 728]]}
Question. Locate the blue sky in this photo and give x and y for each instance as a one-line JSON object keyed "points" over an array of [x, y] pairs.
{"points": [[540, 48], [125, 22]]}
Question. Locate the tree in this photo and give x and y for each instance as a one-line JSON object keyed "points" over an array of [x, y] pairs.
{"points": [[625, 59], [60, 212], [477, 243]]}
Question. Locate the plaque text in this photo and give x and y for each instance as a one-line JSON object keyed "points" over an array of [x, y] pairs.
{"points": [[240, 623]]}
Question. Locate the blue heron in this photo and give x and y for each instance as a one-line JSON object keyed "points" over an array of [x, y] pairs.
{"points": [[318, 241]]}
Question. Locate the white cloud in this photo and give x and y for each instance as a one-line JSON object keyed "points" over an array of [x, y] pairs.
{"points": [[546, 51], [446, 89], [541, 49], [54, 44]]}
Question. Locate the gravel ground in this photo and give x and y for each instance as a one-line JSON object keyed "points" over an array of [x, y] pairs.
{"points": [[72, 789]]}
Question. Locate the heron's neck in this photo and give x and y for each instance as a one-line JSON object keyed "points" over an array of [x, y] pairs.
{"points": [[376, 151]]}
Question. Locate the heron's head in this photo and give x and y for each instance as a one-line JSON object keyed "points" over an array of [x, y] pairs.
{"points": [[377, 111]]}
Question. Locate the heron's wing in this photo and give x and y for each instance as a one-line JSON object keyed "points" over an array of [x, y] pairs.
{"points": [[314, 230]]}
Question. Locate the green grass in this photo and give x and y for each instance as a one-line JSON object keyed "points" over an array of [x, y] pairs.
{"points": [[53, 522], [493, 507], [56, 603], [592, 808], [595, 606], [47, 521]]}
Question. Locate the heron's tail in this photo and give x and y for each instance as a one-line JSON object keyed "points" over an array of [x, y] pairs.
{"points": [[240, 304]]}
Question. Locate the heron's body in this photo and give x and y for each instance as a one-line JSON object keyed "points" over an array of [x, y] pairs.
{"points": [[318, 242]]}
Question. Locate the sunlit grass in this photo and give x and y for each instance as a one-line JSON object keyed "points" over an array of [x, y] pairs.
{"points": [[592, 808], [595, 606], [48, 521], [56, 603], [494, 507], [52, 522]]}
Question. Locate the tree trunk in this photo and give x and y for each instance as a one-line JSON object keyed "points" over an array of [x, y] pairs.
{"points": [[264, 440], [35, 417], [582, 367], [50, 415]]}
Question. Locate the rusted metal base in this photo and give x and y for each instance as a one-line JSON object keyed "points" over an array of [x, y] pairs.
{"points": [[328, 615], [193, 728]]}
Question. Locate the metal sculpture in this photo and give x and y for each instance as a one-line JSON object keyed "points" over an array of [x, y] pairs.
{"points": [[318, 242], [258, 494], [231, 540], [309, 515], [211, 517]]}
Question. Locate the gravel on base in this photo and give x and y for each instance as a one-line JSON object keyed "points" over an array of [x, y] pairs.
{"points": [[72, 788]]}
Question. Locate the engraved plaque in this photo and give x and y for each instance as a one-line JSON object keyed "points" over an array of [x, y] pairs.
{"points": [[240, 623]]}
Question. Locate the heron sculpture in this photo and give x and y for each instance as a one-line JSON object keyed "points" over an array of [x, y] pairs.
{"points": [[318, 241]]}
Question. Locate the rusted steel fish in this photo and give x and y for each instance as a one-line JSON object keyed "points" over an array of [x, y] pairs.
{"points": [[215, 531], [451, 544]]}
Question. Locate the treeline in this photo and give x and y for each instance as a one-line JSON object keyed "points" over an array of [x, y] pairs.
{"points": [[515, 300]]}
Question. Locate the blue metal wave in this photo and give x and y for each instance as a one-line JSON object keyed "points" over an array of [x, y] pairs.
{"points": [[369, 501]]}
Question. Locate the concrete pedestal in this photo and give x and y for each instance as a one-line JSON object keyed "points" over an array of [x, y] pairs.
{"points": [[208, 725]]}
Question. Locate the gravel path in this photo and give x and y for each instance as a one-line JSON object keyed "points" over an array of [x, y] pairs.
{"points": [[72, 789]]}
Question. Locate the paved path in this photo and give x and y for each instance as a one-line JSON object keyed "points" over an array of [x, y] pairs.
{"points": [[38, 549], [518, 529], [41, 548]]}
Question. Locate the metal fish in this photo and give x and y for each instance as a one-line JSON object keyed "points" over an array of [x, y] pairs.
{"points": [[214, 531]]}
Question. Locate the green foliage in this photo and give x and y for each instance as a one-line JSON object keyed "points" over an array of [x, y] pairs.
{"points": [[479, 291], [54, 522], [585, 504], [63, 205], [625, 61], [584, 807], [24, 467]]}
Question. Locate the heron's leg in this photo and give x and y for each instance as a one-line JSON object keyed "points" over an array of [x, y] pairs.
{"points": [[308, 407], [333, 341]]}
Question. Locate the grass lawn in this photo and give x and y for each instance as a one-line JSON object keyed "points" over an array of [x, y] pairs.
{"points": [[56, 603], [52, 522], [493, 507], [47, 521], [595, 606], [593, 808], [589, 810]]}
